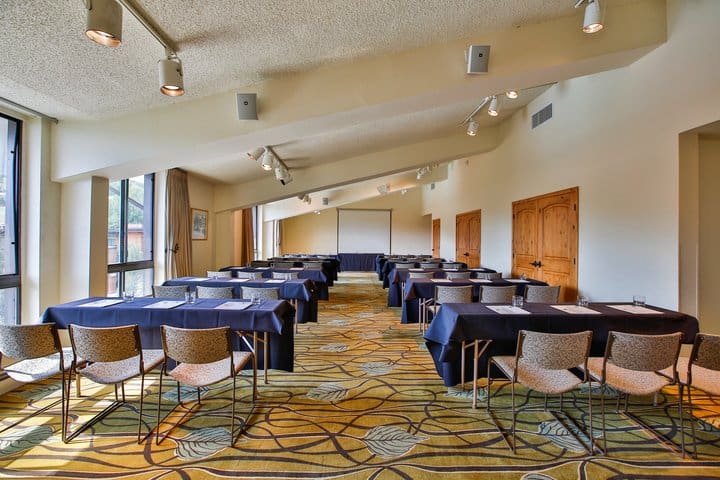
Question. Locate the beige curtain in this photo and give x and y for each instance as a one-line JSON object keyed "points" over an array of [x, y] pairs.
{"points": [[248, 238], [178, 251]]}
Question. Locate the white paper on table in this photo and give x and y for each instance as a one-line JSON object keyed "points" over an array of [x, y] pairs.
{"points": [[415, 270], [233, 306], [198, 279], [102, 303], [451, 269], [440, 280], [517, 280], [166, 304], [276, 280], [576, 309], [480, 280], [297, 268], [262, 268], [635, 309], [507, 309], [238, 280]]}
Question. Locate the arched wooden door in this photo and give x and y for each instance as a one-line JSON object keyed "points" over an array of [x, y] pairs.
{"points": [[467, 238]]}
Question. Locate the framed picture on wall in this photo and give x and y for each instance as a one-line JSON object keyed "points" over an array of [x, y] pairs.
{"points": [[199, 224]]}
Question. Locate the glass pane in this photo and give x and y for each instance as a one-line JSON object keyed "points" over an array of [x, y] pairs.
{"points": [[139, 219], [113, 285], [8, 306], [114, 205], [8, 144], [139, 282]]}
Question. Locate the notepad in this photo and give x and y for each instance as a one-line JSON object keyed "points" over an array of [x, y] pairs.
{"points": [[415, 270], [517, 280], [507, 310], [576, 310], [297, 268], [276, 280], [198, 279], [233, 306], [165, 304], [440, 280], [451, 269], [480, 280], [102, 303], [262, 268], [238, 280], [636, 309]]}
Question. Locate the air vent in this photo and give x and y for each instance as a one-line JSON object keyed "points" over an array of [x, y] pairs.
{"points": [[542, 116]]}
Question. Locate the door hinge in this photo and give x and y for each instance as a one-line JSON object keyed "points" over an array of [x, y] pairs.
{"points": [[573, 261], [575, 207]]}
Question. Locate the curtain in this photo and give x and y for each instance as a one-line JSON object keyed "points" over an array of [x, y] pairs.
{"points": [[247, 249], [178, 246]]}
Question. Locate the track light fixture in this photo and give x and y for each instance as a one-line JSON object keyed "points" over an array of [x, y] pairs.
{"points": [[256, 153], [268, 160], [472, 128], [104, 22], [493, 108], [171, 76], [592, 21], [422, 171], [282, 174], [513, 94]]}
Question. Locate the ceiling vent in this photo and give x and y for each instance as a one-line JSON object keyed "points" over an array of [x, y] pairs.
{"points": [[542, 116]]}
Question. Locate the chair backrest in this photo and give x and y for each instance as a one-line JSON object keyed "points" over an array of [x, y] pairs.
{"points": [[706, 351], [404, 265], [105, 344], [217, 274], [313, 265], [285, 275], [169, 291], [214, 292], [283, 264], [451, 265], [260, 263], [429, 265], [554, 351], [447, 294], [497, 294], [490, 275], [542, 294], [196, 345], [24, 342], [645, 353], [250, 275], [421, 274], [261, 293], [457, 275]]}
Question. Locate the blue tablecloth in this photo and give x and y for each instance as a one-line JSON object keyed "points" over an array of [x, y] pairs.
{"points": [[399, 275], [456, 322], [330, 264], [319, 277], [300, 290], [272, 316], [389, 267], [357, 262]]}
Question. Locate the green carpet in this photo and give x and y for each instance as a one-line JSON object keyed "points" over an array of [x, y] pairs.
{"points": [[364, 402]]}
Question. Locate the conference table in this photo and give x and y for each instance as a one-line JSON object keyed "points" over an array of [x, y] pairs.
{"points": [[390, 268], [274, 317], [357, 262], [300, 292], [330, 265], [318, 277], [458, 322], [418, 289], [400, 276]]}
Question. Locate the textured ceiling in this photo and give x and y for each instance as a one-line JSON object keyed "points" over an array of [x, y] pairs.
{"points": [[46, 62]]}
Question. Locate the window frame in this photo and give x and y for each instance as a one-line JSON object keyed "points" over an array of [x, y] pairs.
{"points": [[14, 280]]}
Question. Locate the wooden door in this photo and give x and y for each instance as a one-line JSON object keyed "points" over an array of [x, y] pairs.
{"points": [[467, 238], [436, 238], [545, 240]]}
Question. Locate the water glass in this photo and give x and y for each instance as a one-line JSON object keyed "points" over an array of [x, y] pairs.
{"points": [[128, 296], [582, 301], [190, 297], [517, 301], [255, 300], [639, 300]]}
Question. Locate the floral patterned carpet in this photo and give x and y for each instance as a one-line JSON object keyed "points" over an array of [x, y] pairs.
{"points": [[364, 402]]}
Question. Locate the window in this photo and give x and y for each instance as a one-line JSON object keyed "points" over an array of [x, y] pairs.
{"points": [[130, 236], [10, 130]]}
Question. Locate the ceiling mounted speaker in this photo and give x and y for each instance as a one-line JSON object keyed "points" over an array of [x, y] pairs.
{"points": [[325, 200], [246, 106], [477, 59]]}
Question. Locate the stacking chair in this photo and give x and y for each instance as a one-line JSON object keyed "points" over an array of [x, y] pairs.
{"points": [[249, 275], [429, 264], [421, 274], [701, 370], [109, 356], [264, 294], [443, 294], [458, 275], [169, 291], [497, 294], [489, 275], [203, 357], [39, 356], [405, 265], [451, 265], [285, 275], [636, 364], [542, 294], [283, 264], [313, 265], [259, 263], [542, 363], [214, 292], [216, 274]]}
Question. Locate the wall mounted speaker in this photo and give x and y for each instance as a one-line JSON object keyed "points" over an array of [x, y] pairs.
{"points": [[325, 200], [477, 59], [247, 106]]}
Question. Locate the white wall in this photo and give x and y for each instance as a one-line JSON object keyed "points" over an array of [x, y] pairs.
{"points": [[411, 229], [615, 135], [709, 203]]}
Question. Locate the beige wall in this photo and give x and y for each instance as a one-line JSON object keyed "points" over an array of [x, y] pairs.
{"points": [[203, 251], [411, 230], [615, 135], [709, 238]]}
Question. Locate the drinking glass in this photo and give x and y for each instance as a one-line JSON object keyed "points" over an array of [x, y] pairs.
{"points": [[517, 301], [255, 300], [639, 300], [190, 297], [582, 301], [128, 296]]}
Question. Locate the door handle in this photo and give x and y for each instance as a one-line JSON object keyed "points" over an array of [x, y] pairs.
{"points": [[466, 254], [536, 264]]}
